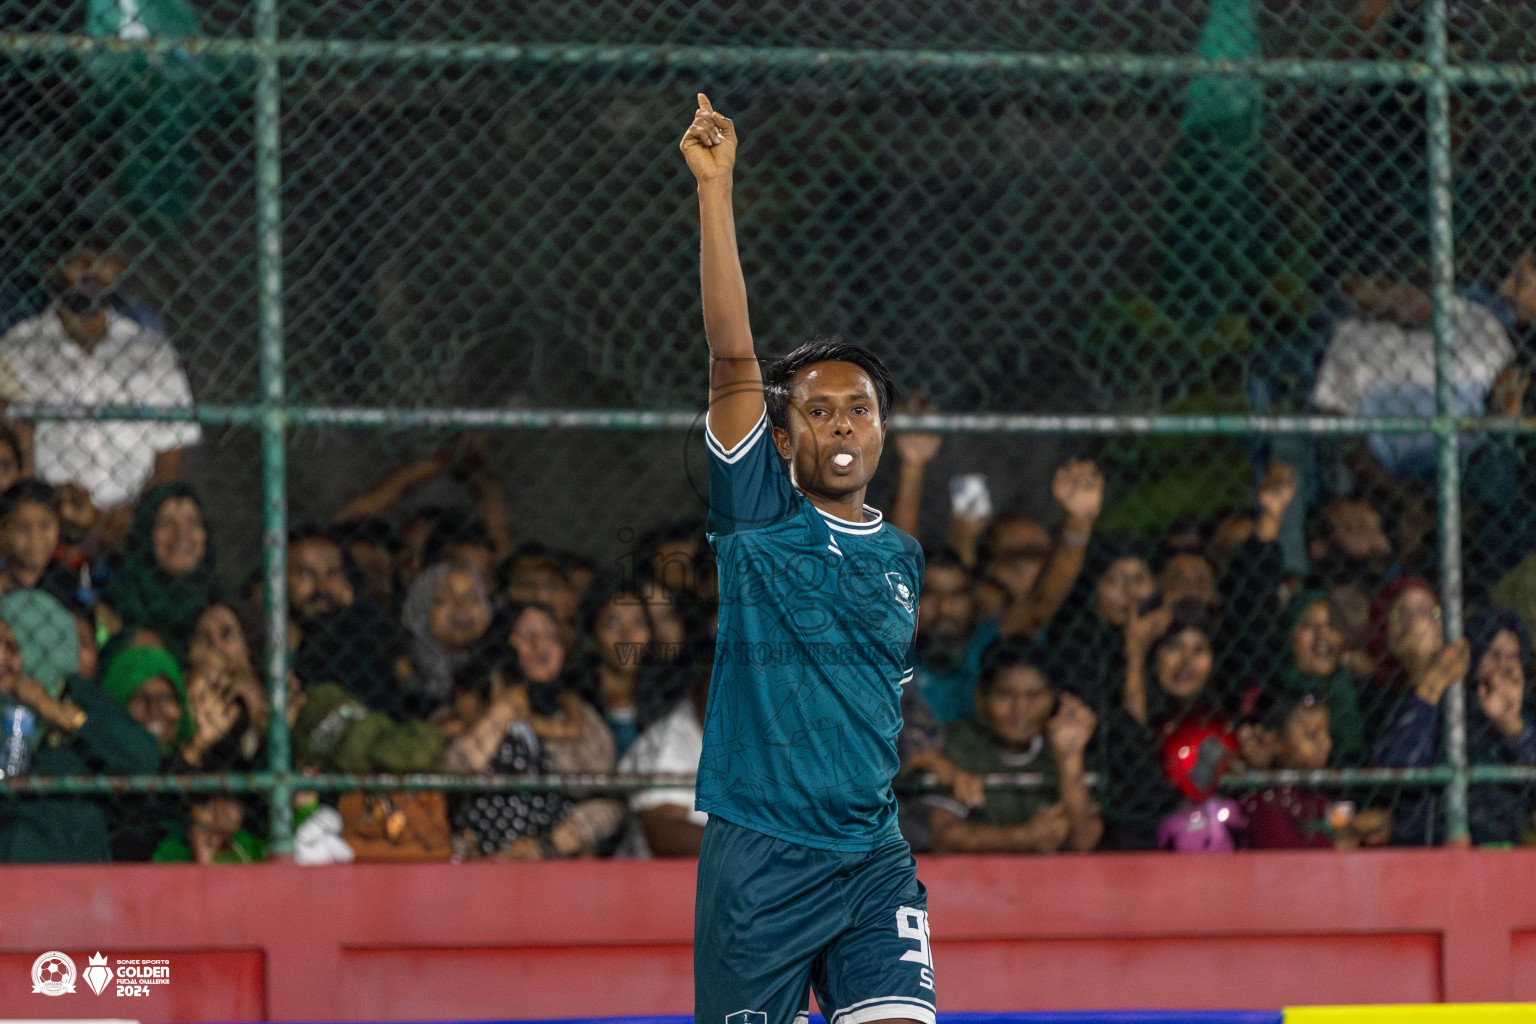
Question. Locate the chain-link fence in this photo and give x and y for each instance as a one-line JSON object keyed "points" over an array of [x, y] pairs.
{"points": [[407, 293]]}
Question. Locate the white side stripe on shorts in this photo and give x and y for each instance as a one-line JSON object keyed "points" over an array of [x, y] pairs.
{"points": [[886, 1007]]}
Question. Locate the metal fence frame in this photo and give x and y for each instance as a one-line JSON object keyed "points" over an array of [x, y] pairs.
{"points": [[272, 414]]}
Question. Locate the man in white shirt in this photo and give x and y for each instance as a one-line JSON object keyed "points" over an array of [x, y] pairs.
{"points": [[1384, 365], [1381, 362], [82, 352], [672, 745]]}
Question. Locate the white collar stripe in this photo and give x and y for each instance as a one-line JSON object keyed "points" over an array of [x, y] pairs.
{"points": [[873, 525]]}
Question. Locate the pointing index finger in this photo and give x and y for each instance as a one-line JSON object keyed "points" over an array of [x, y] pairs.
{"points": [[704, 104]]}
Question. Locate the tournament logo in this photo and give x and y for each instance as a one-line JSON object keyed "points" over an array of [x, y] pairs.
{"points": [[900, 590], [97, 974], [53, 974]]}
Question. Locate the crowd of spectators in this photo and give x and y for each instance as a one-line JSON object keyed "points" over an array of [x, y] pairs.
{"points": [[1072, 691]]}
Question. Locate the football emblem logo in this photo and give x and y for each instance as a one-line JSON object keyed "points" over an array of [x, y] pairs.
{"points": [[53, 974], [901, 590]]}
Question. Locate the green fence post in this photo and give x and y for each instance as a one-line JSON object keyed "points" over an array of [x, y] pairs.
{"points": [[274, 505], [1443, 270]]}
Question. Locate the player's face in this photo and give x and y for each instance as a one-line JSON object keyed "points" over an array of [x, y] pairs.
{"points": [[1017, 705], [835, 433]]}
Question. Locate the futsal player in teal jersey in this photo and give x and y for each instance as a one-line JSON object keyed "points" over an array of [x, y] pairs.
{"points": [[804, 880]]}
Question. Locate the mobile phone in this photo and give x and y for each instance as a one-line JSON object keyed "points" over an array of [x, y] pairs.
{"points": [[969, 497]]}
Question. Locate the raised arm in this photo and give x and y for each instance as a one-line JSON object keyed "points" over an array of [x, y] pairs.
{"points": [[1078, 488], [735, 379]]}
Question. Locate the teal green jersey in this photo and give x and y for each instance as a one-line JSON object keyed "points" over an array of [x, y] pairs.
{"points": [[817, 616]]}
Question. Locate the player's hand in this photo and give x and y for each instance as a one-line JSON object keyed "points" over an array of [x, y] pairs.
{"points": [[709, 144], [1070, 728], [1078, 488]]}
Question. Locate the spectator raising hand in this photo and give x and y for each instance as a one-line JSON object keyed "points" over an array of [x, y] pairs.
{"points": [[1445, 669], [914, 450], [1276, 492], [213, 702], [1078, 489]]}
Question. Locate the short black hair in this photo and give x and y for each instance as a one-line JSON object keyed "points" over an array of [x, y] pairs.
{"points": [[452, 528], [1274, 710], [315, 531], [372, 530], [31, 490], [1004, 654], [944, 558], [776, 381]]}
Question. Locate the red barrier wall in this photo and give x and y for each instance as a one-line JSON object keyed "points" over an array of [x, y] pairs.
{"points": [[437, 942]]}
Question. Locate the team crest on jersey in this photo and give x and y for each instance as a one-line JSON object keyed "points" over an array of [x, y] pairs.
{"points": [[901, 590], [747, 1017]]}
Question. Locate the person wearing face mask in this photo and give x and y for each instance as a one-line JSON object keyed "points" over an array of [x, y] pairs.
{"points": [[81, 351]]}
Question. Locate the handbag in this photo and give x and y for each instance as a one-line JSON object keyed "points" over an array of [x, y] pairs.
{"points": [[403, 826]]}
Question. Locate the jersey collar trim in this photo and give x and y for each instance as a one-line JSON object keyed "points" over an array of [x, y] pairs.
{"points": [[746, 444], [873, 525]]}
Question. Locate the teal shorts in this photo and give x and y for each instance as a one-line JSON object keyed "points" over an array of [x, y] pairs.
{"points": [[774, 919]]}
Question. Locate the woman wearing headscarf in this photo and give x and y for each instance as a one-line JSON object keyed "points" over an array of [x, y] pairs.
{"points": [[167, 577], [446, 612], [149, 684], [78, 729], [1310, 655], [1501, 729]]}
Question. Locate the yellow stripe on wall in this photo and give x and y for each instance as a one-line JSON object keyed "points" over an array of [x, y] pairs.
{"points": [[1438, 1013]]}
